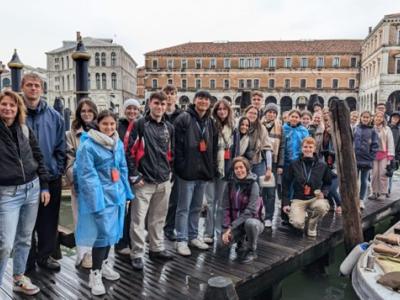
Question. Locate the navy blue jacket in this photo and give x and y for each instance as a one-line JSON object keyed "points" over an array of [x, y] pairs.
{"points": [[365, 145], [48, 127]]}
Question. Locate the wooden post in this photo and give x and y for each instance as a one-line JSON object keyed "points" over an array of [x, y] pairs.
{"points": [[347, 171], [220, 288]]}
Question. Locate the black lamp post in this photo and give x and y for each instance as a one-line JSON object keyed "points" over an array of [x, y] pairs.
{"points": [[15, 65], [81, 57]]}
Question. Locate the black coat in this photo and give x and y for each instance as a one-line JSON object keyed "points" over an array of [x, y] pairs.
{"points": [[320, 179], [190, 163], [20, 158]]}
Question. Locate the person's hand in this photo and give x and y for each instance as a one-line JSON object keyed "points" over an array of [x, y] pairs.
{"points": [[286, 209], [139, 183], [279, 171], [268, 175], [227, 236], [45, 197]]}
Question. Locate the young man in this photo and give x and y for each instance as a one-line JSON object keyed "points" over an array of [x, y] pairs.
{"points": [[257, 100], [48, 127], [151, 181], [310, 180], [277, 139], [196, 145], [173, 111]]}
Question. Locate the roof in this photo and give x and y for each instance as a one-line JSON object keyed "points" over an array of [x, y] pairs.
{"points": [[88, 42], [262, 47]]}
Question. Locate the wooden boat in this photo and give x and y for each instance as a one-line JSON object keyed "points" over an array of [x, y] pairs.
{"points": [[369, 270]]}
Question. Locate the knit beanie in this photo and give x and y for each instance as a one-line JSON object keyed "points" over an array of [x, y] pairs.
{"points": [[130, 102], [271, 106]]}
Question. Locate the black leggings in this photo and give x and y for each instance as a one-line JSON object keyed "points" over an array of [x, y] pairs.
{"points": [[99, 254]]}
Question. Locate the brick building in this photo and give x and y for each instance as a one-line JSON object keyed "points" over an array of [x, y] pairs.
{"points": [[287, 72]]}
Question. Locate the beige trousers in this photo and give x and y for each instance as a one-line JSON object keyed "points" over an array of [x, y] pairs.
{"points": [[151, 200], [379, 180], [316, 209]]}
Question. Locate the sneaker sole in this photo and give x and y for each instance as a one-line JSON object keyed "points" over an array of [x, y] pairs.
{"points": [[111, 278], [26, 292], [98, 293]]}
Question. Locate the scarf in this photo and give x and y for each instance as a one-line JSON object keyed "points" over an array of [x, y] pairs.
{"points": [[104, 140], [224, 142]]}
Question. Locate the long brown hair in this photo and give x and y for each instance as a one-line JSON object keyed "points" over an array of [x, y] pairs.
{"points": [[229, 121], [21, 112], [78, 122], [257, 124]]}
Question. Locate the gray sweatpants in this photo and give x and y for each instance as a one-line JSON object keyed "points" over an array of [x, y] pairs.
{"points": [[250, 230]]}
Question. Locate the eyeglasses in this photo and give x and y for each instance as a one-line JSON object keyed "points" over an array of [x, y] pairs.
{"points": [[84, 111]]}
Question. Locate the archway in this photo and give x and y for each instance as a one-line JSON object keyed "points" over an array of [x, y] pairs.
{"points": [[330, 100], [286, 104], [394, 99], [270, 99], [227, 98], [238, 100], [213, 100], [6, 82], [352, 103], [184, 100]]}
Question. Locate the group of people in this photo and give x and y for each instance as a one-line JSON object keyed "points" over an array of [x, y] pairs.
{"points": [[149, 174]]}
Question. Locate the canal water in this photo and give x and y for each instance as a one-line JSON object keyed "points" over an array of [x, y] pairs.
{"points": [[298, 286]]}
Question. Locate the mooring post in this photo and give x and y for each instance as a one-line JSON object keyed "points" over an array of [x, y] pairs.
{"points": [[220, 288], [81, 57], [15, 65], [347, 172]]}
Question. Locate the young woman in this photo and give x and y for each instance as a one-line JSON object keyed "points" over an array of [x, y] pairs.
{"points": [[101, 182], [241, 138], [317, 128], [294, 133], [85, 116], [310, 180], [22, 186], [223, 116], [306, 118], [127, 134], [260, 149], [242, 211], [379, 179], [365, 148]]}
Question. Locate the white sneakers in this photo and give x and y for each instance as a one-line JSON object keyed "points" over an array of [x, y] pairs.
{"points": [[24, 285], [268, 223], [95, 278], [108, 272], [183, 249], [208, 240], [96, 283], [198, 244], [312, 227]]}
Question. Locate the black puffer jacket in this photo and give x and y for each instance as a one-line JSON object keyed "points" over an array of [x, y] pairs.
{"points": [[320, 179], [20, 158], [190, 163]]}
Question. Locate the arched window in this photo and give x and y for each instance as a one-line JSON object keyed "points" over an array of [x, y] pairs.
{"points": [[113, 58], [103, 81], [113, 81], [88, 80], [103, 59], [97, 81], [68, 83], [6, 82], [97, 59]]}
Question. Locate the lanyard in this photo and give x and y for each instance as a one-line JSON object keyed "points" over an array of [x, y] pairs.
{"points": [[202, 131], [307, 175]]}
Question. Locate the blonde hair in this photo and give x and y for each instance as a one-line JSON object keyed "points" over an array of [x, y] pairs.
{"points": [[21, 109]]}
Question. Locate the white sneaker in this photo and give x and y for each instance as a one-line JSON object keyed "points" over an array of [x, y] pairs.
{"points": [[25, 286], [198, 244], [96, 283], [183, 249], [108, 272], [268, 223], [87, 261], [362, 205], [208, 240], [124, 251], [312, 227]]}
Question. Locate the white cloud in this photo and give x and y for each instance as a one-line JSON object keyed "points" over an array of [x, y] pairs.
{"points": [[142, 26]]}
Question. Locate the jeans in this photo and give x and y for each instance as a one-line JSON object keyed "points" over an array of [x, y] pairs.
{"points": [[249, 232], [267, 194], [18, 211], [214, 193], [363, 174], [190, 200], [333, 195]]}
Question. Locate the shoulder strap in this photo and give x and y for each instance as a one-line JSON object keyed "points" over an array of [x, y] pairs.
{"points": [[25, 130], [131, 126]]}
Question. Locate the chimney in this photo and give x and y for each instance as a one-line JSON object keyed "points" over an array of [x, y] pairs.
{"points": [[369, 29]]}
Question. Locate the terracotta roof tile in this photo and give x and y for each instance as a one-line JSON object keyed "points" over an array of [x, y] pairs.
{"points": [[262, 48]]}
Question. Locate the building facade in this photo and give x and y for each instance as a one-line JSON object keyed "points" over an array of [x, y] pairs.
{"points": [[112, 73], [287, 72], [380, 68], [5, 79]]}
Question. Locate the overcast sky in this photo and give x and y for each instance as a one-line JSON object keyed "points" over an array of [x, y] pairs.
{"points": [[146, 25]]}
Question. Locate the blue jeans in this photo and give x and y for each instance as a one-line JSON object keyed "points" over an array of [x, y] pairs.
{"points": [[267, 194], [190, 200], [18, 211], [363, 174], [214, 192], [333, 195]]}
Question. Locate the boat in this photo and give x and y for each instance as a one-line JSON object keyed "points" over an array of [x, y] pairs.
{"points": [[370, 268]]}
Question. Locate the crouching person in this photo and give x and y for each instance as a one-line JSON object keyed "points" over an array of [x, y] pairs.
{"points": [[310, 180], [243, 211]]}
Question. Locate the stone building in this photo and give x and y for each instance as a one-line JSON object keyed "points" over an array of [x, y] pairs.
{"points": [[287, 72], [6, 77], [380, 68], [112, 73]]}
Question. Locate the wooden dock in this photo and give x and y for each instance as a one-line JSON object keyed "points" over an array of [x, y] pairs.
{"points": [[280, 253]]}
